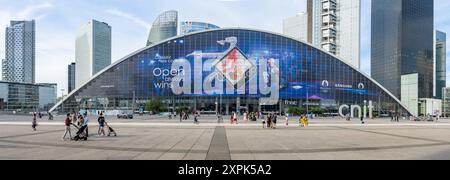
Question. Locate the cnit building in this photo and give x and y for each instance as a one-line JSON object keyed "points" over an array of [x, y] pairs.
{"points": [[308, 77]]}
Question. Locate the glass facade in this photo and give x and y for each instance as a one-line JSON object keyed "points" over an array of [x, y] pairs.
{"points": [[308, 76], [19, 64], [190, 27], [71, 77], [93, 46], [27, 97], [402, 43], [441, 62], [164, 27]]}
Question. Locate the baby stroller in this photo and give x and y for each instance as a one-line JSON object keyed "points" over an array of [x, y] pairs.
{"points": [[110, 130], [81, 134]]}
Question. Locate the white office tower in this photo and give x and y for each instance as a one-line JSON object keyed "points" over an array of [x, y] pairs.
{"points": [[19, 64], [92, 50], [297, 27], [336, 27]]}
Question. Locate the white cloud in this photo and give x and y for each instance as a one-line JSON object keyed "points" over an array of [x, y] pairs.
{"points": [[33, 11], [129, 16]]}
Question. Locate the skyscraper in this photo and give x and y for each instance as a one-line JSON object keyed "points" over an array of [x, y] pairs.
{"points": [[164, 27], [71, 77], [402, 43], [336, 27], [192, 26], [440, 56], [297, 27], [92, 50], [19, 64]]}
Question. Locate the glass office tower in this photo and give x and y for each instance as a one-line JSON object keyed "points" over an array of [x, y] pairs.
{"points": [[441, 62], [164, 27], [92, 50], [19, 64], [402, 43], [71, 77]]}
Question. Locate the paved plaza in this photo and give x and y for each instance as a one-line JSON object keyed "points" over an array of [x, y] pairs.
{"points": [[158, 138]]}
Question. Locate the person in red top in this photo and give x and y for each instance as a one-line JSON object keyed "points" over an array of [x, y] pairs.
{"points": [[67, 123]]}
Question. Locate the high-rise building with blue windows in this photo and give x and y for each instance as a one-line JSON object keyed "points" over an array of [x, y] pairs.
{"points": [[402, 43], [71, 77], [440, 56], [192, 26], [165, 26], [19, 64]]}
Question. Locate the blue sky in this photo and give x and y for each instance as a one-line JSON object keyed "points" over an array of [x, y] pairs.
{"points": [[58, 20]]}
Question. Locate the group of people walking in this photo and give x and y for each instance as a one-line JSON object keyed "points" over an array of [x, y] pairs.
{"points": [[81, 122], [184, 116], [252, 116], [304, 121], [271, 121]]}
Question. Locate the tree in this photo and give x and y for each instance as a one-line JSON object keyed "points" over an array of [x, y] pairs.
{"points": [[155, 105], [183, 109], [317, 110], [296, 111]]}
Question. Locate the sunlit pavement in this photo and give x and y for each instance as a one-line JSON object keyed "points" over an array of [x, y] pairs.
{"points": [[160, 138]]}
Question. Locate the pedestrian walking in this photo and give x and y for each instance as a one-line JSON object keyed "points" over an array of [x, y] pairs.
{"points": [[85, 123], [219, 118], [274, 119], [300, 121], [362, 120], [50, 116], [101, 125], [67, 123], [269, 121], [34, 122], [263, 123], [181, 117], [304, 121], [245, 118], [196, 116], [234, 118], [286, 118]]}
